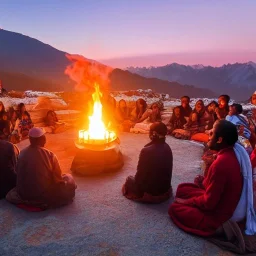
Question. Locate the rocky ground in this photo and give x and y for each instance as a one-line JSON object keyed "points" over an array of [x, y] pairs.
{"points": [[101, 221]]}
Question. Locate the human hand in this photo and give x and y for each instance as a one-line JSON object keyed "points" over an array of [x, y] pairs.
{"points": [[183, 201], [199, 180]]}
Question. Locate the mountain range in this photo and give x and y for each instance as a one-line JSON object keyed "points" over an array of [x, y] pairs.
{"points": [[29, 64], [238, 80]]}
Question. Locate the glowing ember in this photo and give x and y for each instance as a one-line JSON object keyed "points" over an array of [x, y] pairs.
{"points": [[97, 133]]}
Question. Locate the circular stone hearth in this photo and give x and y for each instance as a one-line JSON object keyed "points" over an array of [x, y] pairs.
{"points": [[96, 159]]}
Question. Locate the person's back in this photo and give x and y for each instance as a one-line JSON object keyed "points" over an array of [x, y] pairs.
{"points": [[40, 182], [8, 159], [37, 173], [154, 170], [152, 182]]}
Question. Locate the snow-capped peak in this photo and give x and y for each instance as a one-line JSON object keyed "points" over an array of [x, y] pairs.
{"points": [[253, 64], [197, 66]]}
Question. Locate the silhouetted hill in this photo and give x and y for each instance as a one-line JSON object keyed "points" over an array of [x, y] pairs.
{"points": [[23, 54], [27, 63], [238, 80], [124, 80], [21, 82]]}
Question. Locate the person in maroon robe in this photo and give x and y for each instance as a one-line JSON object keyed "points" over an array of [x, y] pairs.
{"points": [[202, 207]]}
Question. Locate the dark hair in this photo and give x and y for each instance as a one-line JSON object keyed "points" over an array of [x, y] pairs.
{"points": [[143, 102], [226, 97], [227, 131], [121, 101], [185, 97], [213, 102], [238, 107], [159, 127], [3, 108], [19, 107]]}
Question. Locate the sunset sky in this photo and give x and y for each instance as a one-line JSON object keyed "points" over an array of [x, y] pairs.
{"points": [[140, 32]]}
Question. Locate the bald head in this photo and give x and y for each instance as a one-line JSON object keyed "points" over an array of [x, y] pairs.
{"points": [[224, 135]]}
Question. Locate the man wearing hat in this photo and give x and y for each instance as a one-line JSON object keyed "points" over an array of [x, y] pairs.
{"points": [[39, 178], [152, 182]]}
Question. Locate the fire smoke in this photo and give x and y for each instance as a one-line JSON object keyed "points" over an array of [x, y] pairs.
{"points": [[87, 72]]}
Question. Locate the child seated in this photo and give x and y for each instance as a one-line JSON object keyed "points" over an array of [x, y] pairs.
{"points": [[177, 120]]}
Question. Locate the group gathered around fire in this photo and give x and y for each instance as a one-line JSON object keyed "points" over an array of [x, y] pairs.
{"points": [[219, 205]]}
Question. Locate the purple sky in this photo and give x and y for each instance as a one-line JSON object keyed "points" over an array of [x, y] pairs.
{"points": [[140, 32]]}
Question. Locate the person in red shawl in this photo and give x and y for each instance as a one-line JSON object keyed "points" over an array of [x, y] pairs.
{"points": [[203, 207]]}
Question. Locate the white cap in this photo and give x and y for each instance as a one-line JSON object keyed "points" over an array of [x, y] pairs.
{"points": [[36, 132], [254, 93]]}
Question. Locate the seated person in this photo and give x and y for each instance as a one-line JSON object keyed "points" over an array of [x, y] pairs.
{"points": [[203, 207], [4, 123], [177, 121], [251, 115], [8, 161], [122, 116], [253, 161], [152, 182], [185, 108], [40, 182], [192, 126], [21, 109], [12, 117], [139, 110], [24, 125], [108, 108], [149, 117], [235, 116], [206, 121], [223, 108], [53, 124], [3, 92], [208, 118]]}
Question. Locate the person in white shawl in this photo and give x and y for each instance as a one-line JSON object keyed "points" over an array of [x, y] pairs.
{"points": [[245, 207]]}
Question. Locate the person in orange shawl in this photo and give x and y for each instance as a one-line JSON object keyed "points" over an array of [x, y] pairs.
{"points": [[201, 208]]}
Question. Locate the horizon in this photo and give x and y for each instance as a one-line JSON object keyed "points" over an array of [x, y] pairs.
{"points": [[152, 34]]}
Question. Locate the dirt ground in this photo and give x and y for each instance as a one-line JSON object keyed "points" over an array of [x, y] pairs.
{"points": [[101, 221]]}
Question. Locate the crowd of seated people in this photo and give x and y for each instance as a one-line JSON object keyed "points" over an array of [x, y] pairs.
{"points": [[218, 203], [14, 124], [185, 122]]}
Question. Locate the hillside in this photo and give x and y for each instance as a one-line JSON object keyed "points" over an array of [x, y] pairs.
{"points": [[21, 82], [238, 80], [124, 80], [23, 54], [28, 64]]}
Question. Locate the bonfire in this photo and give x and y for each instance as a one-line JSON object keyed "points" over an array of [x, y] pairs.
{"points": [[97, 133]]}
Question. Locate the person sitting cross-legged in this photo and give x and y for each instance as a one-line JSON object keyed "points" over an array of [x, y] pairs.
{"points": [[8, 161], [224, 195], [152, 182], [40, 182]]}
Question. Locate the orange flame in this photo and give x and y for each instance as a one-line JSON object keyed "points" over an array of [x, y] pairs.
{"points": [[88, 76]]}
